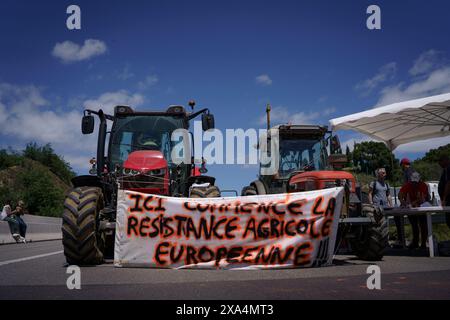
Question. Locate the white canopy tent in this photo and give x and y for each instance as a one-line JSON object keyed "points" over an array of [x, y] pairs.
{"points": [[401, 122]]}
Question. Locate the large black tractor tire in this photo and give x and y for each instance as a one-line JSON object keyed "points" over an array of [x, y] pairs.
{"points": [[249, 191], [205, 192], [371, 240], [83, 243]]}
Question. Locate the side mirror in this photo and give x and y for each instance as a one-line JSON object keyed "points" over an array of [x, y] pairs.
{"points": [[87, 124], [335, 145], [207, 121]]}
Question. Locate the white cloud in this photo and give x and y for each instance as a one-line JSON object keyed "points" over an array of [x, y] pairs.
{"points": [[436, 82], [322, 99], [427, 61], [263, 80], [108, 100], [281, 115], [386, 72], [81, 162], [328, 111], [430, 76], [25, 116], [423, 145], [69, 51], [125, 74], [148, 82], [21, 98], [356, 138]]}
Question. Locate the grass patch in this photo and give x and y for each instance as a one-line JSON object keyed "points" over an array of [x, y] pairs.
{"points": [[441, 231]]}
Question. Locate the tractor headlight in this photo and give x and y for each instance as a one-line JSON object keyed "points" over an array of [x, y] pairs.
{"points": [[157, 172], [130, 172]]}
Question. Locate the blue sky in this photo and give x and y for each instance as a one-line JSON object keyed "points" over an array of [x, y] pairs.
{"points": [[312, 60]]}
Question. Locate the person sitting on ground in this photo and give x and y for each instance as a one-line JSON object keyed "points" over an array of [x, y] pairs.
{"points": [[19, 212], [444, 184], [412, 195], [10, 217]]}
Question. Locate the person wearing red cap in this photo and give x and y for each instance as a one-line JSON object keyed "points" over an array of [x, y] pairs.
{"points": [[407, 170], [405, 164], [444, 184]]}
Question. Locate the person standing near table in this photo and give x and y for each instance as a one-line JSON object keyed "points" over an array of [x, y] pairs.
{"points": [[407, 170], [413, 194], [444, 184], [379, 191]]}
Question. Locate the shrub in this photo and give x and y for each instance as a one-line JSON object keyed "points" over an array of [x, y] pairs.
{"points": [[41, 196]]}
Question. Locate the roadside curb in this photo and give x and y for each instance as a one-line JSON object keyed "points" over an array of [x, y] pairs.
{"points": [[38, 229]]}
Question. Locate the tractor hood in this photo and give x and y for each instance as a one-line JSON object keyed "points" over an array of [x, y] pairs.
{"points": [[145, 160], [324, 175], [322, 179]]}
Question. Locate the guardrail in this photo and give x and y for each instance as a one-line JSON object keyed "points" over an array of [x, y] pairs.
{"points": [[38, 229]]}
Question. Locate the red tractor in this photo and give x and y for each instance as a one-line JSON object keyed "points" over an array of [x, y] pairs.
{"points": [[304, 165], [139, 158]]}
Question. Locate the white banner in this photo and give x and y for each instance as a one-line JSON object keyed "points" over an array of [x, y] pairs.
{"points": [[253, 232]]}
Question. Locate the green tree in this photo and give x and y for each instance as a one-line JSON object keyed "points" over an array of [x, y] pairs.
{"points": [[349, 155], [47, 156], [7, 194], [429, 171], [428, 165], [41, 196], [9, 158], [370, 155], [433, 155]]}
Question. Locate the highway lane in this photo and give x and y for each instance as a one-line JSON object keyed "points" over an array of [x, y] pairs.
{"points": [[43, 276]]}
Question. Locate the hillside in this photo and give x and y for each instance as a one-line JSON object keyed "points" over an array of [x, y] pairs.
{"points": [[42, 187]]}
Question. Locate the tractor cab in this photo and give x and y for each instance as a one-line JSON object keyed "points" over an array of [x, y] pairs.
{"points": [[140, 149], [304, 162], [139, 153], [138, 158]]}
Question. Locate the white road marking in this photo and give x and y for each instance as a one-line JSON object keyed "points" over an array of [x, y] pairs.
{"points": [[2, 263]]}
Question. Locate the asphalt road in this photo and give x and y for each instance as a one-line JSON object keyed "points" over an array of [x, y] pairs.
{"points": [[37, 271]]}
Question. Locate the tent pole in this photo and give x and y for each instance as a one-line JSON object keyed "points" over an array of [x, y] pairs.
{"points": [[402, 221], [392, 173]]}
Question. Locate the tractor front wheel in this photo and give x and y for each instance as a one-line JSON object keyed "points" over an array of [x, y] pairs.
{"points": [[249, 191], [83, 243], [371, 240], [205, 192]]}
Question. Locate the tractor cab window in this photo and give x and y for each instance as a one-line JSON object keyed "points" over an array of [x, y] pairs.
{"points": [[300, 155], [135, 133], [125, 145]]}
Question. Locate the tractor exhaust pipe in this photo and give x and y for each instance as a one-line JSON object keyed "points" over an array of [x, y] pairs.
{"points": [[101, 143], [268, 108]]}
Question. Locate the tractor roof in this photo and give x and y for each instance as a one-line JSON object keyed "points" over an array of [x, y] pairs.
{"points": [[296, 129], [171, 110]]}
